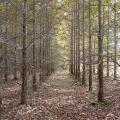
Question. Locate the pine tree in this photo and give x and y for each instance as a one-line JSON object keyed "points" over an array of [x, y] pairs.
{"points": [[100, 53], [24, 79]]}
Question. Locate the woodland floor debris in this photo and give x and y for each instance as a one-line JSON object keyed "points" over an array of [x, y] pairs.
{"points": [[60, 99]]}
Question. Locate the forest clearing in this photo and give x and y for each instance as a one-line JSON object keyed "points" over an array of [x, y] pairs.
{"points": [[59, 60]]}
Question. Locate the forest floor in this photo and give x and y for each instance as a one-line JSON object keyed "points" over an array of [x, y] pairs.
{"points": [[61, 98]]}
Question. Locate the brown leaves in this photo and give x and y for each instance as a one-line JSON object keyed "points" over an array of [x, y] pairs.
{"points": [[59, 99]]}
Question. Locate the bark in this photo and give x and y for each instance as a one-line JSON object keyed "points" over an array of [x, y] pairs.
{"points": [[15, 50], [74, 40], [71, 43], [115, 41], [6, 48], [24, 80], [108, 20], [100, 53], [90, 49], [40, 48], [79, 65], [83, 22], [34, 67]]}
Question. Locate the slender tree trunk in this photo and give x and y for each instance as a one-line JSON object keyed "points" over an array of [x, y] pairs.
{"points": [[50, 35], [40, 48], [6, 48], [44, 41], [75, 42], [47, 38], [83, 22], [79, 72], [71, 43], [24, 80], [74, 39], [115, 42], [90, 49], [108, 19], [100, 53], [94, 48], [15, 50], [34, 66]]}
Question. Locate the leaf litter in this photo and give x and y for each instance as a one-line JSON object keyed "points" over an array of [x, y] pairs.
{"points": [[59, 98]]}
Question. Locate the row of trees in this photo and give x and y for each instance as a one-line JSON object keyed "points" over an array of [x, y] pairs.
{"points": [[94, 41], [26, 33]]}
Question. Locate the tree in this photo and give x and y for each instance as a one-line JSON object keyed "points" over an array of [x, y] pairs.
{"points": [[115, 42], [90, 49], [83, 34], [40, 46], [34, 67], [24, 80], [6, 49], [100, 53], [78, 24], [71, 43], [15, 48], [108, 20]]}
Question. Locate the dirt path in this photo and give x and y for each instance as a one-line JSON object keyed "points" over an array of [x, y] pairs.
{"points": [[61, 79]]}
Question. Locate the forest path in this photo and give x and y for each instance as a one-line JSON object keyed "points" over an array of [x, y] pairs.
{"points": [[63, 99], [61, 79], [60, 98]]}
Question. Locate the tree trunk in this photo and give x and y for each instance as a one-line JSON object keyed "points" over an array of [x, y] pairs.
{"points": [[115, 42], [100, 53], [15, 50], [90, 49], [108, 19], [34, 66], [24, 79], [83, 22], [6, 49], [78, 17]]}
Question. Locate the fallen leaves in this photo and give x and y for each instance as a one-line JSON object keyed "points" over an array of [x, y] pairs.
{"points": [[55, 100]]}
